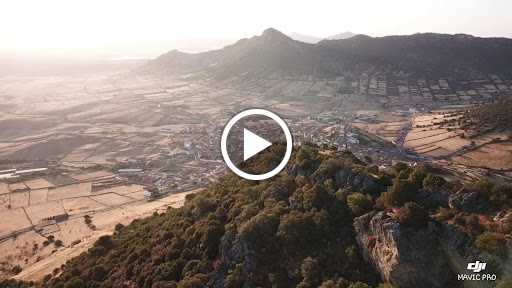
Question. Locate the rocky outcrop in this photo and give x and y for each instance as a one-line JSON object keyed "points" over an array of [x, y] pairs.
{"points": [[232, 249], [296, 170], [341, 178], [458, 244], [470, 202], [403, 256], [432, 198], [345, 178]]}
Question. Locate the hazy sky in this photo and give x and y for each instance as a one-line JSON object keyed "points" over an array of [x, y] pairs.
{"points": [[115, 27]]}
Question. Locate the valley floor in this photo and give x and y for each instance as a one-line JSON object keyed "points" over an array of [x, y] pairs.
{"points": [[37, 264]]}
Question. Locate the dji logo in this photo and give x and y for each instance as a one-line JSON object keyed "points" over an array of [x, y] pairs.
{"points": [[477, 266]]}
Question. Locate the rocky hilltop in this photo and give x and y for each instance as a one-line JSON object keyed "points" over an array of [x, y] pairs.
{"points": [[328, 220], [402, 256]]}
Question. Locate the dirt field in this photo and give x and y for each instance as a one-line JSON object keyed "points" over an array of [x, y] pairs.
{"points": [[13, 219], [38, 184], [81, 205], [38, 196], [70, 191], [4, 201], [136, 195], [40, 211], [91, 176], [111, 199], [121, 190], [427, 140], [17, 186], [3, 188], [21, 250], [495, 156], [75, 229], [19, 199]]}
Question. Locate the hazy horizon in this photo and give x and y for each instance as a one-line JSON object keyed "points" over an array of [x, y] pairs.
{"points": [[113, 29]]}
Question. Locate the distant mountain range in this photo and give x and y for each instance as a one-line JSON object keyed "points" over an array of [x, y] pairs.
{"points": [[314, 40], [275, 52]]}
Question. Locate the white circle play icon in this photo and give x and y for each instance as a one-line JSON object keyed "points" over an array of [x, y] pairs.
{"points": [[253, 143]]}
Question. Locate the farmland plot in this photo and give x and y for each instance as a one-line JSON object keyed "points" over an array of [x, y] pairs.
{"points": [[12, 220], [3, 188], [70, 191], [38, 196], [39, 184], [111, 199], [81, 205], [20, 199], [121, 190], [4, 201], [41, 211]]}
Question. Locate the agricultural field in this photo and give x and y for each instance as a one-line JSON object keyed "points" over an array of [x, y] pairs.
{"points": [[81, 205], [4, 201], [389, 131], [111, 199], [38, 184], [4, 189], [38, 212], [12, 220], [17, 186], [38, 196], [74, 230], [497, 156], [438, 135], [70, 191], [20, 199], [92, 176], [121, 190], [428, 138]]}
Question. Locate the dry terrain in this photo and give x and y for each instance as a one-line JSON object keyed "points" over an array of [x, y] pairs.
{"points": [[73, 232]]}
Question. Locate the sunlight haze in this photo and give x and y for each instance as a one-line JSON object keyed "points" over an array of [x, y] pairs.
{"points": [[149, 28]]}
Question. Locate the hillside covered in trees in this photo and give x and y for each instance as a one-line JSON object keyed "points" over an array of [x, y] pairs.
{"points": [[302, 228], [489, 117]]}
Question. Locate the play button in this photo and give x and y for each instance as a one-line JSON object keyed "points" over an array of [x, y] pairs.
{"points": [[253, 144], [249, 133]]}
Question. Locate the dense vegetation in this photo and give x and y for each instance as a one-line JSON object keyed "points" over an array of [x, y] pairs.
{"points": [[293, 230]]}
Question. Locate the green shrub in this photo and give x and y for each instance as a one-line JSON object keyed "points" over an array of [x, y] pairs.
{"points": [[459, 219], [359, 285], [398, 194], [506, 225], [16, 270], [190, 196], [483, 187], [432, 181], [473, 224], [311, 272], [412, 215], [385, 285], [501, 195], [400, 167], [119, 227], [417, 176], [492, 244], [445, 213], [359, 203], [506, 282]]}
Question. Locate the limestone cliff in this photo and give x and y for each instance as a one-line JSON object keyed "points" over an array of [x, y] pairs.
{"points": [[403, 256]]}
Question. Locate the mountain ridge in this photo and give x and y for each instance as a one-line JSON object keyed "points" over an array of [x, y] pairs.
{"points": [[313, 39], [273, 51]]}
